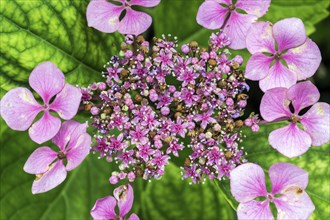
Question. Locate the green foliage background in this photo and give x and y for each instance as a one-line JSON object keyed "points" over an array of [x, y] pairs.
{"points": [[33, 31]]}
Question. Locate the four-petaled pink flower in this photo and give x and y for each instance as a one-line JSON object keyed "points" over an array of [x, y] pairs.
{"points": [[19, 108], [105, 16], [213, 14], [301, 54], [105, 208], [291, 140], [48, 165], [247, 182]]}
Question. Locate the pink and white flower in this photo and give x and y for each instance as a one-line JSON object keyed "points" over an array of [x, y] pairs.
{"points": [[19, 108], [105, 208], [205, 118], [48, 165], [105, 16], [301, 54], [247, 183], [215, 14], [291, 140]]}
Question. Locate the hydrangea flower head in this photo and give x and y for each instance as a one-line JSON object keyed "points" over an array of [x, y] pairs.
{"points": [[216, 14], [105, 208], [291, 140], [105, 16], [48, 165], [154, 116], [247, 182], [19, 108], [281, 53]]}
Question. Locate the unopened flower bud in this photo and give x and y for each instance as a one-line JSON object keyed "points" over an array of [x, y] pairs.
{"points": [[168, 139], [248, 122], [95, 110], [113, 180], [238, 59], [177, 114], [222, 84], [140, 39], [124, 73], [208, 135], [193, 45], [131, 176], [165, 110], [239, 123], [201, 160], [103, 116], [235, 65], [88, 107], [217, 127], [185, 48], [212, 62], [138, 98], [242, 103], [255, 128], [123, 46], [230, 102], [228, 154], [128, 54]]}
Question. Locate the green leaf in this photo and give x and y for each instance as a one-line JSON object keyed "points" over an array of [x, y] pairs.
{"points": [[177, 18], [35, 31], [173, 198], [310, 12], [73, 199], [315, 162]]}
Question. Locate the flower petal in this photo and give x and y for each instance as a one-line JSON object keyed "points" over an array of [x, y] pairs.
{"points": [[211, 15], [290, 140], [317, 124], [294, 206], [279, 76], [45, 128], [247, 182], [133, 217], [124, 195], [284, 176], [47, 80], [302, 95], [19, 108], [254, 7], [134, 22], [274, 104], [289, 33], [79, 151], [303, 60], [256, 210], [104, 208], [145, 3], [226, 2], [258, 66], [39, 161], [237, 28], [103, 15], [70, 131], [260, 38], [67, 102], [50, 179]]}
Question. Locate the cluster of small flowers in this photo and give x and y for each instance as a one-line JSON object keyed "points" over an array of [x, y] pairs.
{"points": [[159, 102], [213, 95]]}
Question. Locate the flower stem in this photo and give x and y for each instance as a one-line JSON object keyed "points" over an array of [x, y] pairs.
{"points": [[276, 120], [223, 191]]}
